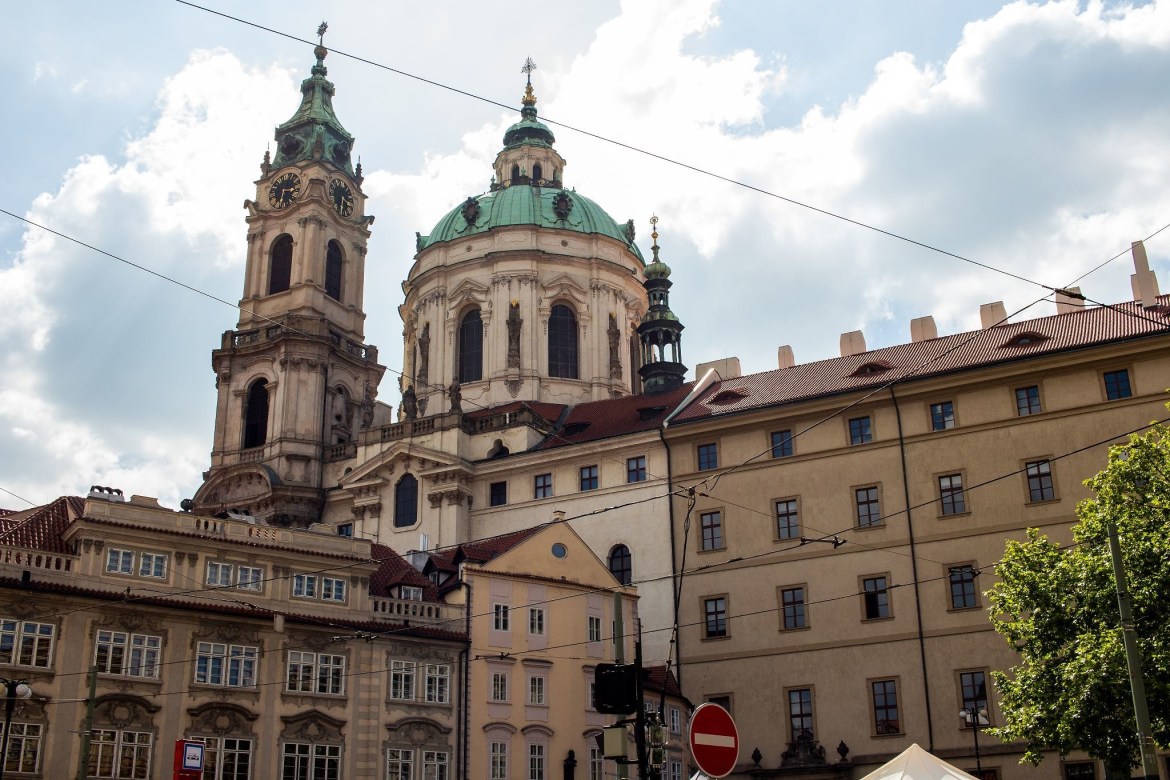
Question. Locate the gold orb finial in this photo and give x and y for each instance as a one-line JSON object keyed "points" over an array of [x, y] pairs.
{"points": [[529, 98]]}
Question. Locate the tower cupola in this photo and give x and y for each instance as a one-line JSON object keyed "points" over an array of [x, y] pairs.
{"points": [[660, 331]]}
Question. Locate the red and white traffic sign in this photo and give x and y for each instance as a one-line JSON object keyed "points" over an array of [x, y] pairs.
{"points": [[714, 740]]}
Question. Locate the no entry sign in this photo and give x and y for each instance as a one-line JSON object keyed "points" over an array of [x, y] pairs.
{"points": [[714, 740]]}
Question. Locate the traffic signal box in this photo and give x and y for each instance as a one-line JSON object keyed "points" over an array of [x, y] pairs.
{"points": [[616, 690]]}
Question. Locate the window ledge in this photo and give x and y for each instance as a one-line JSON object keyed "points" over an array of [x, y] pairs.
{"points": [[966, 513], [784, 630], [877, 619], [1043, 502], [716, 638], [870, 527], [711, 550]]}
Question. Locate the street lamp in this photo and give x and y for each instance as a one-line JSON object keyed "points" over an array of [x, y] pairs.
{"points": [[16, 689], [976, 719]]}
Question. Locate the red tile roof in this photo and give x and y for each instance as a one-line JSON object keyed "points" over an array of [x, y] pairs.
{"points": [[1070, 331], [394, 570], [483, 551], [42, 527], [615, 417], [546, 411], [655, 678]]}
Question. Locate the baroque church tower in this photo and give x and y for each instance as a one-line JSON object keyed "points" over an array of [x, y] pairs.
{"points": [[294, 378]]}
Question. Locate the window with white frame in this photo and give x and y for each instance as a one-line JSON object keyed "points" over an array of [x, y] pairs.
{"points": [[232, 666], [498, 760], [26, 643], [315, 673], [594, 627], [250, 578], [675, 720], [596, 763], [152, 565], [305, 586], [536, 620], [536, 762], [142, 564], [501, 617], [332, 589], [132, 655], [120, 755], [402, 675], [438, 683], [305, 761], [399, 764], [24, 748], [435, 764], [219, 574], [410, 593], [226, 758], [536, 689], [674, 770], [119, 561], [499, 686]]}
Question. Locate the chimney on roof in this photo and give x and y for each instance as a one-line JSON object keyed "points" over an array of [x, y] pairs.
{"points": [[852, 343], [728, 368], [1144, 282], [108, 493], [784, 357], [992, 314], [923, 329], [1069, 300]]}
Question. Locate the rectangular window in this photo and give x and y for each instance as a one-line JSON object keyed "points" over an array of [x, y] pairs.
{"points": [[499, 686], [597, 764], [1040, 486], [402, 680], [675, 720], [950, 494], [860, 431], [332, 589], [536, 762], [942, 416], [1117, 385], [25, 643], [962, 580], [793, 607], [711, 526], [219, 575], [636, 469], [152, 565], [885, 707], [435, 764], [536, 689], [708, 457], [438, 683], [24, 748], [787, 519], [399, 764], [410, 593], [675, 771], [250, 578], [119, 561], [132, 655], [715, 617], [1028, 400], [869, 511], [723, 700], [346, 530], [305, 586], [800, 713], [124, 755], [498, 494], [875, 598], [313, 673], [305, 761], [501, 617], [781, 444], [536, 620], [542, 486], [1081, 770], [973, 689], [233, 666], [226, 758], [594, 628], [589, 478], [498, 758]]}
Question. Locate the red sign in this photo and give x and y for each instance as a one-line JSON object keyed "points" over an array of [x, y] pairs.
{"points": [[714, 740]]}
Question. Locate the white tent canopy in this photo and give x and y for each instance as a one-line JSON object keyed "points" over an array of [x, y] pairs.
{"points": [[914, 763]]}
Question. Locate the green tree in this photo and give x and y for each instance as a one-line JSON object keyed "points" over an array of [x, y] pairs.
{"points": [[1057, 606]]}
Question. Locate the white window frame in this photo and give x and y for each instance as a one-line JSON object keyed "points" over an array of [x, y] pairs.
{"points": [[537, 690], [153, 565], [219, 574], [435, 764], [403, 676], [23, 642], [438, 683], [111, 747], [501, 617], [499, 690], [593, 628], [250, 577], [226, 666], [536, 621], [119, 561], [305, 586], [333, 589], [127, 655]]}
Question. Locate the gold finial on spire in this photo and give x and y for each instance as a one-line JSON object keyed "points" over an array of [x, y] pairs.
{"points": [[654, 236], [529, 98]]}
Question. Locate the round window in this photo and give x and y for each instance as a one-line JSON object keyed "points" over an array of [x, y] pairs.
{"points": [[559, 550]]}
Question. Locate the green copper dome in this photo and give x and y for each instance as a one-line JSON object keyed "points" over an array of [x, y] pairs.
{"points": [[314, 132], [523, 204]]}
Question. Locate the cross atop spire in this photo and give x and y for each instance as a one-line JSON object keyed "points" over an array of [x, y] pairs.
{"points": [[529, 66], [529, 99], [321, 28]]}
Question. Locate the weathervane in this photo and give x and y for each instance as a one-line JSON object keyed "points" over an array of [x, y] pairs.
{"points": [[529, 66], [321, 32]]}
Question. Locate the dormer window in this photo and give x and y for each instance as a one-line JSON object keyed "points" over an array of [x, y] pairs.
{"points": [[871, 368], [1025, 339], [728, 397]]}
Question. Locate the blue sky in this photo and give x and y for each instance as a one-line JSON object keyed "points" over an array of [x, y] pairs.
{"points": [[1031, 137]]}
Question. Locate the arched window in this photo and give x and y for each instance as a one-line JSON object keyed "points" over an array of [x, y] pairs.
{"points": [[406, 502], [515, 173], [333, 271], [471, 347], [621, 564], [562, 342], [280, 265], [256, 414], [536, 172]]}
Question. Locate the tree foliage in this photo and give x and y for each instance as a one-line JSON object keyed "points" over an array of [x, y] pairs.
{"points": [[1057, 606]]}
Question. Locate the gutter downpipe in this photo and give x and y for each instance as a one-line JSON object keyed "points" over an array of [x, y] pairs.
{"points": [[914, 572], [701, 386], [465, 693]]}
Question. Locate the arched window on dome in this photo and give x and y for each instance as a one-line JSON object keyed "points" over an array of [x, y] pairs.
{"points": [[621, 564], [280, 264], [536, 173], [333, 271], [471, 347], [562, 342], [256, 414], [406, 502], [515, 174]]}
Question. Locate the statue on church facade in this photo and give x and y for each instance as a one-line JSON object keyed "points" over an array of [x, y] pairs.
{"points": [[514, 325], [409, 403], [455, 393]]}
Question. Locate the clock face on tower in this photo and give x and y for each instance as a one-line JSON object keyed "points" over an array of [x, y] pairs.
{"points": [[284, 190], [341, 196]]}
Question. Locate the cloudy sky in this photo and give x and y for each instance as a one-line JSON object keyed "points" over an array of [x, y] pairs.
{"points": [[1032, 137]]}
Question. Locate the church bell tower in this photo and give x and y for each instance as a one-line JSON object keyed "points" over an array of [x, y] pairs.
{"points": [[296, 383]]}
